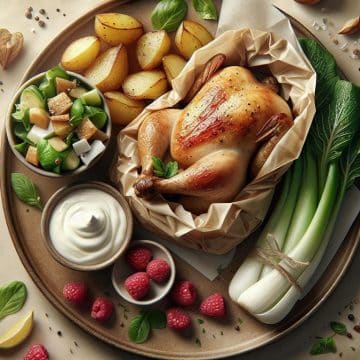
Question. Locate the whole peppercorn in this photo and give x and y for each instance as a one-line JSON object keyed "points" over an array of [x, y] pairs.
{"points": [[349, 335], [351, 317], [41, 23], [357, 328], [42, 11]]}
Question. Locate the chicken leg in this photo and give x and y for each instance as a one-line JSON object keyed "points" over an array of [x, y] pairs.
{"points": [[207, 180]]}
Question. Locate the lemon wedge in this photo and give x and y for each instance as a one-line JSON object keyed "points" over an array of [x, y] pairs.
{"points": [[18, 332]]}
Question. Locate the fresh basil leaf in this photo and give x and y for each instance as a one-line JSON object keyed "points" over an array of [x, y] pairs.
{"points": [[157, 319], [12, 298], [323, 346], [172, 169], [168, 14], [159, 167], [206, 9], [338, 327], [77, 109], [139, 329], [26, 190]]}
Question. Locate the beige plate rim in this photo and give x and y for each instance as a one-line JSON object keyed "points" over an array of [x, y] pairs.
{"points": [[290, 324]]}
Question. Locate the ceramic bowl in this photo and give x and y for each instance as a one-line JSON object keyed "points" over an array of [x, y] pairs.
{"points": [[13, 141], [122, 270], [54, 201]]}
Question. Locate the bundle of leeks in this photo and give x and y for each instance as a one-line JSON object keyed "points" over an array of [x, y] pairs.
{"points": [[293, 241]]}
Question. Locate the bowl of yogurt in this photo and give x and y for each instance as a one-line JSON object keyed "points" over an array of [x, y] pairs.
{"points": [[87, 226]]}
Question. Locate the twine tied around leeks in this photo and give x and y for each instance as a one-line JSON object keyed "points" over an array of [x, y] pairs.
{"points": [[271, 255]]}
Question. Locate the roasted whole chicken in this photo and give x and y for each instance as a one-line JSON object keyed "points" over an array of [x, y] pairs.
{"points": [[226, 131]]}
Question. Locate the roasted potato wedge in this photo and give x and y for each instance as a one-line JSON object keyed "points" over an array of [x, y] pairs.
{"points": [[109, 69], [191, 36], [115, 28], [80, 53], [173, 64], [145, 84], [123, 109], [151, 47]]}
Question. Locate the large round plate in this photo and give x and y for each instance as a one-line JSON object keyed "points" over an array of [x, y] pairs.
{"points": [[221, 338]]}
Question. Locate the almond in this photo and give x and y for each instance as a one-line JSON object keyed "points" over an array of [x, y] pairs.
{"points": [[350, 27], [10, 46]]}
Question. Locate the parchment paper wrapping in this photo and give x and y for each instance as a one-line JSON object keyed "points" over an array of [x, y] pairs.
{"points": [[225, 224]]}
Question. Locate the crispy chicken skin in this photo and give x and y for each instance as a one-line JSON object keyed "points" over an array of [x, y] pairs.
{"points": [[229, 127]]}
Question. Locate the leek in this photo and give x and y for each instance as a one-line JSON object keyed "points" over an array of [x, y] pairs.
{"points": [[304, 217]]}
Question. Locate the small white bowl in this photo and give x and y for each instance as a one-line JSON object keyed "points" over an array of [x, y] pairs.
{"points": [[122, 270]]}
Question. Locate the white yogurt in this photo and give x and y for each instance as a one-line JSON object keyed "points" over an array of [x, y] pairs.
{"points": [[87, 226]]}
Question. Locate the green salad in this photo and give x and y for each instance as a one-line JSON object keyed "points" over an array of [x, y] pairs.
{"points": [[58, 123]]}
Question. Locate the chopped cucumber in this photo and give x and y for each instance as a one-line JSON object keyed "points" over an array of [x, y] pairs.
{"points": [[71, 162], [92, 98], [31, 97], [77, 92]]}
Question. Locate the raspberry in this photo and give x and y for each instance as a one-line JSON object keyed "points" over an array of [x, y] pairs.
{"points": [[158, 270], [184, 293], [36, 352], [102, 309], [138, 285], [138, 257], [177, 319], [75, 292], [213, 306]]}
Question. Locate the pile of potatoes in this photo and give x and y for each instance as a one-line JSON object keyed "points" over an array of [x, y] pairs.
{"points": [[127, 94]]}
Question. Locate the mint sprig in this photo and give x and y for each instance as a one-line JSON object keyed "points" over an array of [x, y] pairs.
{"points": [[141, 325], [164, 170], [324, 345]]}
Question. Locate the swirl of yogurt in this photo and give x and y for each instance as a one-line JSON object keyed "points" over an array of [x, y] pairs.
{"points": [[87, 226]]}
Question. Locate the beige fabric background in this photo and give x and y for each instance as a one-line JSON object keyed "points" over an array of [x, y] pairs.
{"points": [[294, 346]]}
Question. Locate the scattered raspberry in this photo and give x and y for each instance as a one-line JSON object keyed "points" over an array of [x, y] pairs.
{"points": [[138, 285], [36, 352], [158, 270], [102, 309], [213, 306], [75, 292], [177, 319], [184, 293], [138, 257]]}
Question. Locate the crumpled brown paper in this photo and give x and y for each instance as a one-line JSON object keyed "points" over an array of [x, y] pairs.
{"points": [[225, 224]]}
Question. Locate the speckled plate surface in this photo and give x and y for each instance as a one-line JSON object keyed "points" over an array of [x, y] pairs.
{"points": [[221, 337]]}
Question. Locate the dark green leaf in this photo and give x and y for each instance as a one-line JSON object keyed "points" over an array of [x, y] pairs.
{"points": [[21, 133], [22, 116], [172, 169], [139, 329], [200, 321], [12, 298], [22, 148], [157, 319], [26, 190], [326, 70], [159, 167], [168, 14], [206, 9], [350, 162], [71, 138], [338, 327], [323, 346], [96, 115], [164, 170], [77, 109]]}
